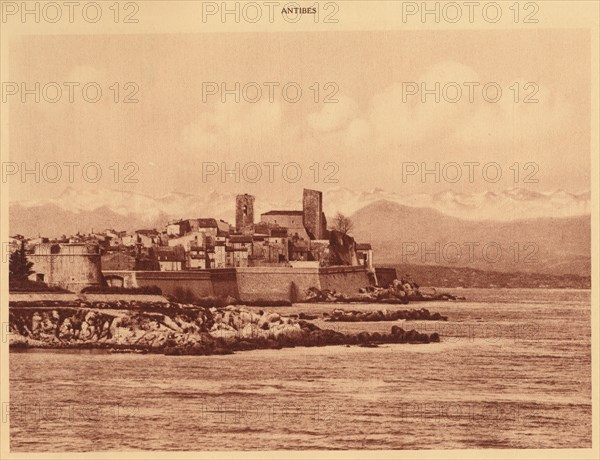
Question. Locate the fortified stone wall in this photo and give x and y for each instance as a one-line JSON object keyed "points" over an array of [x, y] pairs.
{"points": [[197, 283], [224, 282], [70, 266], [345, 280], [385, 276], [250, 284], [120, 278], [275, 283], [84, 297]]}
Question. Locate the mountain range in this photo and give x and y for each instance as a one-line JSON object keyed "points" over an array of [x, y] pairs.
{"points": [[555, 226], [511, 204], [404, 235]]}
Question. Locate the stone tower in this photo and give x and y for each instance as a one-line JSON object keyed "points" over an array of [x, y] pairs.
{"points": [[244, 211], [71, 266], [312, 214]]}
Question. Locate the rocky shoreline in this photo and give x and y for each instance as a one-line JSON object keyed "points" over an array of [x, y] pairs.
{"points": [[399, 292], [178, 329], [383, 315]]}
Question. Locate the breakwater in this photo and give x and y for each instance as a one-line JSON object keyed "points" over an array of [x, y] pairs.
{"points": [[177, 329]]}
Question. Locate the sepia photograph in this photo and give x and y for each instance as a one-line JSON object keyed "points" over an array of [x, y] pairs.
{"points": [[319, 229]]}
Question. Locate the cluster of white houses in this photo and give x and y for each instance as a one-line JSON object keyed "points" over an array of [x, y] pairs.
{"points": [[284, 238]]}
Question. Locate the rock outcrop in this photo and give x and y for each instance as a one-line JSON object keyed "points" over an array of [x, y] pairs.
{"points": [[178, 329], [369, 294], [398, 292], [384, 315]]}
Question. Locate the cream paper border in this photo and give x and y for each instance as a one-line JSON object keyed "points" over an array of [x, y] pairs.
{"points": [[163, 16]]}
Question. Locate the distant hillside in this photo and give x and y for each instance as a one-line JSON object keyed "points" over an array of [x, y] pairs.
{"points": [[400, 234], [50, 220], [405, 235], [85, 209], [453, 277]]}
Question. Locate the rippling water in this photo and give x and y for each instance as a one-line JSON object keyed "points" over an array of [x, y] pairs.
{"points": [[513, 370]]}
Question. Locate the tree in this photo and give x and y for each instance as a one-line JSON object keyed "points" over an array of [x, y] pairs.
{"points": [[343, 224], [18, 265]]}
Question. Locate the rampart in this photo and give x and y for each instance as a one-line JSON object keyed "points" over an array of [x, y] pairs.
{"points": [[385, 276], [247, 284], [344, 279]]}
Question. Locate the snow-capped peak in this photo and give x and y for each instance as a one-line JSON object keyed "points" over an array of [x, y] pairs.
{"points": [[515, 203]]}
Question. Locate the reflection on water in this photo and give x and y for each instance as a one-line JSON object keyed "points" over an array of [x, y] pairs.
{"points": [[513, 370]]}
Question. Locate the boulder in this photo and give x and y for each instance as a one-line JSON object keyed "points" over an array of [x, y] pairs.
{"points": [[251, 331], [412, 336], [286, 330], [273, 318], [376, 337], [171, 324], [66, 330], [36, 322], [397, 331]]}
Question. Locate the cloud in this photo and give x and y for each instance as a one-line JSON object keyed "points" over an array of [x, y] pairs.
{"points": [[233, 126], [84, 74], [358, 133], [407, 113], [333, 116], [513, 120]]}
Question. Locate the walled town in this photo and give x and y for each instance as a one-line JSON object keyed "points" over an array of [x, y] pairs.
{"points": [[200, 285], [295, 247]]}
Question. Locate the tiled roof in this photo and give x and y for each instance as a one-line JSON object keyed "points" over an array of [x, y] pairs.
{"points": [[172, 254], [240, 239], [236, 249], [207, 223], [147, 232], [283, 213], [279, 233]]}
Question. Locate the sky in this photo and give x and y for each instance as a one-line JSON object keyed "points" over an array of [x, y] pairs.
{"points": [[175, 135]]}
